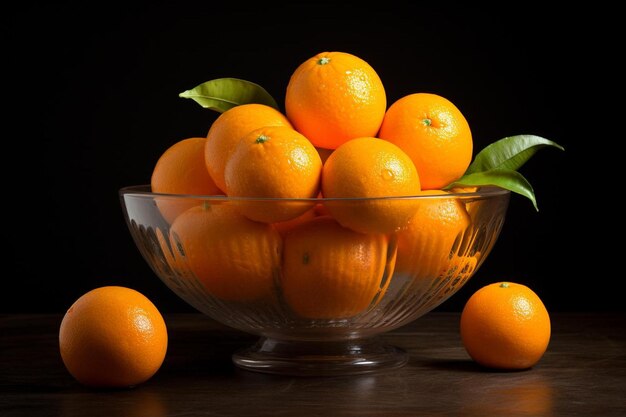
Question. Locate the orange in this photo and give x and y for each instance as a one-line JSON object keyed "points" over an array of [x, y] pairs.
{"points": [[505, 326], [181, 170], [274, 162], [434, 133], [113, 337], [229, 128], [334, 97], [331, 272], [233, 257], [428, 245], [364, 168]]}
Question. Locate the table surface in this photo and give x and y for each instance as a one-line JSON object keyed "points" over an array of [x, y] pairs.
{"points": [[583, 373]]}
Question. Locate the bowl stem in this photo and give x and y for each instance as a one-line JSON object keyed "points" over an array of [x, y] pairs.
{"points": [[320, 358]]}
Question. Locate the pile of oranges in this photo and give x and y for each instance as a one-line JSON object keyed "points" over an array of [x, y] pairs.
{"points": [[337, 139]]}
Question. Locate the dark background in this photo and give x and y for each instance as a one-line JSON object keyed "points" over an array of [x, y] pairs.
{"points": [[91, 101]]}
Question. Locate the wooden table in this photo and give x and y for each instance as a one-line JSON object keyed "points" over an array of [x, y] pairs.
{"points": [[583, 373]]}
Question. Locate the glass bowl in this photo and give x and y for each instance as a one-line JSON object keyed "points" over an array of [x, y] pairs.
{"points": [[320, 289]]}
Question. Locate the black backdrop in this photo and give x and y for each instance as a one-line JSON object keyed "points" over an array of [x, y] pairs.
{"points": [[91, 101]]}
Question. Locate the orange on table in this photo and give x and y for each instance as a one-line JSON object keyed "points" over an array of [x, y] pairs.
{"points": [[181, 170], [370, 167], [273, 162], [505, 325], [233, 257], [229, 128], [331, 272], [435, 135], [113, 337], [425, 246], [333, 97]]}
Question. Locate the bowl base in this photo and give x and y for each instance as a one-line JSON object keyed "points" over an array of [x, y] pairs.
{"points": [[320, 358]]}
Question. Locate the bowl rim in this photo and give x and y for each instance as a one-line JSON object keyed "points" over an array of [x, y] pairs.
{"points": [[144, 190]]}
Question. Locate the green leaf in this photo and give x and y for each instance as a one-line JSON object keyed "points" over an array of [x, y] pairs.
{"points": [[509, 153], [222, 94], [504, 178]]}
